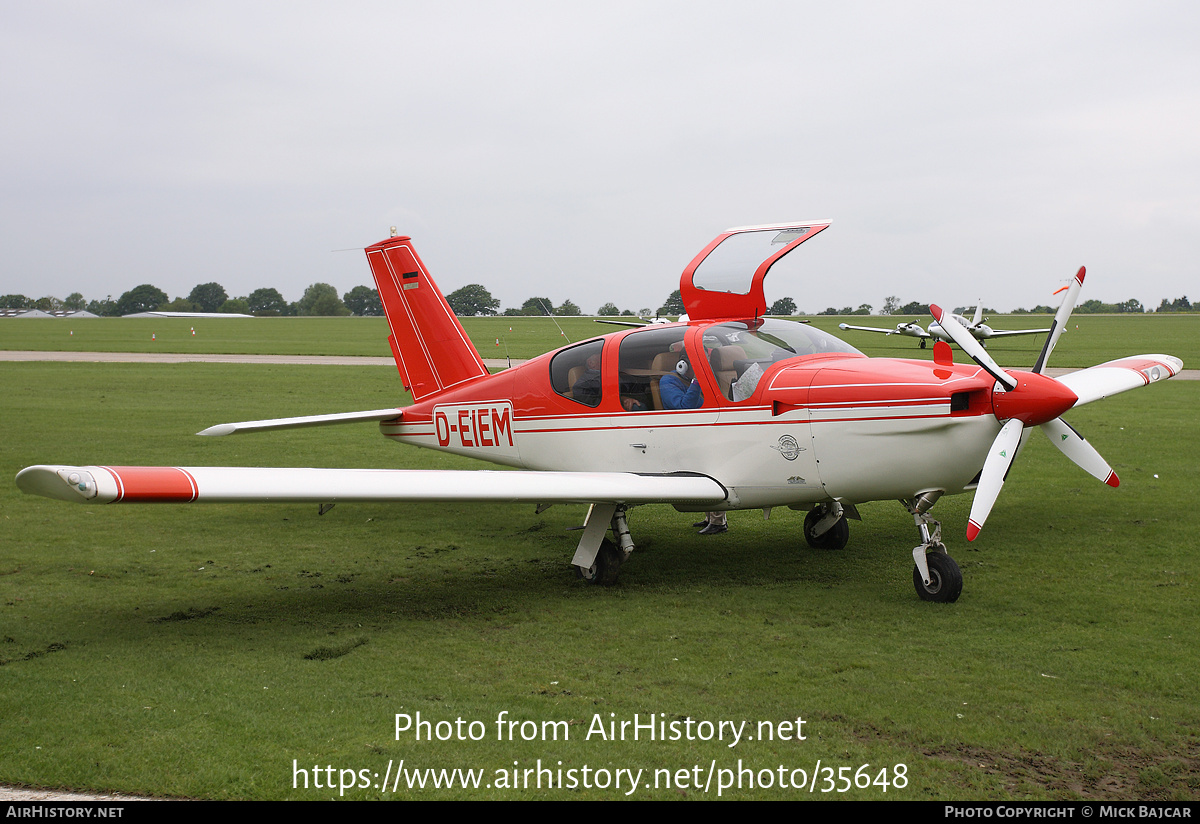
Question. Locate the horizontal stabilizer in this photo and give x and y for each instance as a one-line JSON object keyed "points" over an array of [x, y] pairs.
{"points": [[218, 484], [1115, 377], [299, 423]]}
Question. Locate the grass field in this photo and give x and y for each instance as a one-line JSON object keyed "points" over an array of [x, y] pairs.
{"points": [[1090, 339], [203, 651]]}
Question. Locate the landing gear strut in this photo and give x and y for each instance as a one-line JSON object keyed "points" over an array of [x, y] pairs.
{"points": [[598, 560], [936, 576]]}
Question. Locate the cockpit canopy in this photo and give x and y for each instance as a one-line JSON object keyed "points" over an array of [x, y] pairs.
{"points": [[726, 279], [732, 355]]}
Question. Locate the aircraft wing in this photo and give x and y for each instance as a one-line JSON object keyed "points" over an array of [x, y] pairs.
{"points": [[912, 334], [1115, 377], [1008, 333], [299, 423], [221, 484]]}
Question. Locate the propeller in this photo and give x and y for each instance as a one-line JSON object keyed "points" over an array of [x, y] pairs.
{"points": [[1023, 400]]}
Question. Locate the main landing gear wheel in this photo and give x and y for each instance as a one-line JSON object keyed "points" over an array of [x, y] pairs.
{"points": [[945, 579], [836, 537], [603, 572]]}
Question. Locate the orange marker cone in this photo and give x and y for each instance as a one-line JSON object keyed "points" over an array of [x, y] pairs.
{"points": [[153, 336]]}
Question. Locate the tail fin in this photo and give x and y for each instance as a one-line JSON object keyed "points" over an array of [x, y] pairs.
{"points": [[432, 351]]}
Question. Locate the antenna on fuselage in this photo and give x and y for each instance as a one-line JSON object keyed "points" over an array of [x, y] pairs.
{"points": [[551, 314]]}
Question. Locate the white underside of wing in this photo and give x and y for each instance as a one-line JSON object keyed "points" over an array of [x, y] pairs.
{"points": [[97, 484], [1119, 376], [300, 422]]}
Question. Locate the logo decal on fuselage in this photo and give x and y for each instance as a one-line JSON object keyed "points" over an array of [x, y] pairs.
{"points": [[474, 425], [788, 447]]}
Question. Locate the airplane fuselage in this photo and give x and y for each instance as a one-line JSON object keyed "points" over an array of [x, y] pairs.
{"points": [[818, 427]]}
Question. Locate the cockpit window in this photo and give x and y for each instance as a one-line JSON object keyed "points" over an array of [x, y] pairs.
{"points": [[739, 353], [575, 373], [646, 357], [731, 266]]}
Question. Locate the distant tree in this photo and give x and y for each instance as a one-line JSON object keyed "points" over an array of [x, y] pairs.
{"points": [[830, 311], [328, 306], [1133, 305], [15, 302], [266, 302], [104, 308], [914, 308], [363, 301], [144, 298], [48, 304], [890, 304], [1177, 305], [783, 306], [74, 302], [863, 309], [567, 308], [536, 306], [472, 300], [179, 305], [673, 306], [608, 310], [321, 299], [235, 306], [512, 311], [626, 313], [208, 296], [1094, 307]]}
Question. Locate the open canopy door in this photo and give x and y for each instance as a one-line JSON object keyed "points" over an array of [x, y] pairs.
{"points": [[726, 279]]}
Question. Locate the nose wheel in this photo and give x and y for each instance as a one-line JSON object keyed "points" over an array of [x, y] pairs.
{"points": [[945, 578], [936, 576]]}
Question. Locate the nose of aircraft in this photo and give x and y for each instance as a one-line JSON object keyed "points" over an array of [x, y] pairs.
{"points": [[1036, 399]]}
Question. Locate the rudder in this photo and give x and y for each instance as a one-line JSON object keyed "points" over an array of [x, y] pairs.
{"points": [[432, 351]]}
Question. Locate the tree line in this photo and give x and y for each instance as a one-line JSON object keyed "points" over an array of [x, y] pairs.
{"points": [[319, 299]]}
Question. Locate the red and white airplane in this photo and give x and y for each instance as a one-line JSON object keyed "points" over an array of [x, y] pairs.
{"points": [[778, 413]]}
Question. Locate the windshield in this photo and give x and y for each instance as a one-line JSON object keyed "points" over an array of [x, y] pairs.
{"points": [[741, 352]]}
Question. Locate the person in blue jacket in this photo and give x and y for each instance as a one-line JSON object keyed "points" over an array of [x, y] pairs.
{"points": [[678, 393]]}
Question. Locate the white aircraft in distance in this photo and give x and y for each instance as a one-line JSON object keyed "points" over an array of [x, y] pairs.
{"points": [[640, 322], [729, 410], [976, 326]]}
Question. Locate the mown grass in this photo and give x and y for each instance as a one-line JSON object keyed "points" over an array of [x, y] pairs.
{"points": [[1090, 339], [196, 651]]}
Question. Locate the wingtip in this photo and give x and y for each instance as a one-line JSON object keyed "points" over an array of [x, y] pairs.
{"points": [[1081, 274], [218, 430], [972, 530], [1112, 480]]}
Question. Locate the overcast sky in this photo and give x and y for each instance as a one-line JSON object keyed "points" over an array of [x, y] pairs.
{"points": [[589, 150]]}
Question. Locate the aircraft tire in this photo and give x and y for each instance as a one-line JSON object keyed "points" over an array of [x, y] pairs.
{"points": [[836, 538], [607, 567], [945, 579]]}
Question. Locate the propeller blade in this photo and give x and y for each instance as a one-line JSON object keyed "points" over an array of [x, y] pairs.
{"points": [[1075, 447], [995, 470], [966, 342], [1060, 319]]}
